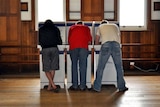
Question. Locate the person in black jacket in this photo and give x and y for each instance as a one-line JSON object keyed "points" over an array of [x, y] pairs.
{"points": [[49, 38]]}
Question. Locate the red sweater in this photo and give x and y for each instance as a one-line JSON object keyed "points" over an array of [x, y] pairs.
{"points": [[79, 36]]}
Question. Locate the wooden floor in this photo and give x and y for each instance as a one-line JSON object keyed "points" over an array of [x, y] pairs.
{"points": [[144, 91]]}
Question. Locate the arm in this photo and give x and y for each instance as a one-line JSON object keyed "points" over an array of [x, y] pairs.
{"points": [[97, 40], [59, 38], [90, 37], [39, 38], [69, 35]]}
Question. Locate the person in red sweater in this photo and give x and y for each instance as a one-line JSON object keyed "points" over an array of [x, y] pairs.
{"points": [[79, 38]]}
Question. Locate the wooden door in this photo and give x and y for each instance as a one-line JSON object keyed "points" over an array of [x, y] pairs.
{"points": [[92, 10], [10, 41], [9, 22]]}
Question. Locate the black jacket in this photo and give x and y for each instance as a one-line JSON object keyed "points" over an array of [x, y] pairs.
{"points": [[49, 36]]}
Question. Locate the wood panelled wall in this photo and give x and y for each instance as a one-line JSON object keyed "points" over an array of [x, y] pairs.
{"points": [[18, 39], [143, 45]]}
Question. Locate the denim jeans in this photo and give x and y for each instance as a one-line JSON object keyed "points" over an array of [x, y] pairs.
{"points": [[110, 48], [79, 61]]}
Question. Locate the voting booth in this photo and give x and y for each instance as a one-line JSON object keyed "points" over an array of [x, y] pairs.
{"points": [[59, 77], [109, 75]]}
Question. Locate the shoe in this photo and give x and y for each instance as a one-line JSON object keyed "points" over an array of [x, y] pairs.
{"points": [[93, 90], [126, 89], [58, 86], [45, 87], [72, 88], [84, 89], [57, 89]]}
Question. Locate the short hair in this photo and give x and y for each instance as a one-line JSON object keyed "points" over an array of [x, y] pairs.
{"points": [[79, 22], [49, 21], [104, 21]]}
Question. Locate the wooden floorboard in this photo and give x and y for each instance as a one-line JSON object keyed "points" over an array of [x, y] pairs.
{"points": [[126, 73], [144, 91]]}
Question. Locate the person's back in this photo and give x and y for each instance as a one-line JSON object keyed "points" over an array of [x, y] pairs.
{"points": [[109, 32], [49, 35], [79, 36]]}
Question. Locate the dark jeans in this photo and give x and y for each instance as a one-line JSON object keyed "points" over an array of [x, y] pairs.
{"points": [[79, 61]]}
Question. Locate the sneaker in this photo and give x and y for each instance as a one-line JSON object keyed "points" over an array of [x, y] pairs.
{"points": [[57, 89], [45, 87], [126, 89], [84, 89], [58, 86], [93, 90], [72, 88]]}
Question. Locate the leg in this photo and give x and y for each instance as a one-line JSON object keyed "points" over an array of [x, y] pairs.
{"points": [[74, 66], [83, 67], [50, 58], [103, 58], [50, 76], [117, 58], [52, 73]]}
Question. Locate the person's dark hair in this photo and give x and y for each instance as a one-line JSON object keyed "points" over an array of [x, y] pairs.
{"points": [[48, 23], [104, 22], [79, 22]]}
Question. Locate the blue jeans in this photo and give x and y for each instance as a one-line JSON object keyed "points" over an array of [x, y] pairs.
{"points": [[79, 60], [110, 48]]}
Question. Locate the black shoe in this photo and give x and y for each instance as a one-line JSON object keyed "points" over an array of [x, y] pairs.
{"points": [[57, 89], [73, 89], [45, 87], [93, 90], [126, 89], [84, 89], [58, 86]]}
